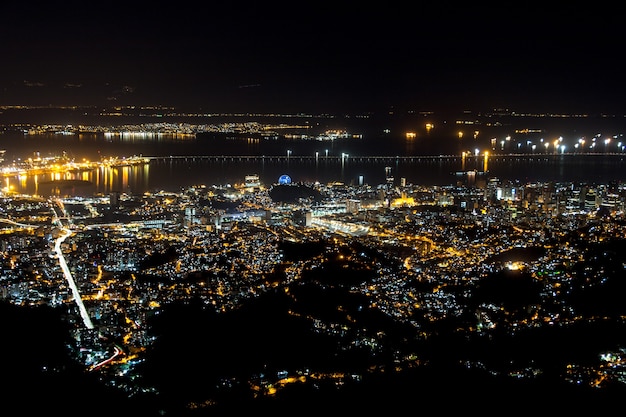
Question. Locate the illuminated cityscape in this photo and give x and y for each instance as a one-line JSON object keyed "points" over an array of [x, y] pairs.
{"points": [[313, 209], [415, 279]]}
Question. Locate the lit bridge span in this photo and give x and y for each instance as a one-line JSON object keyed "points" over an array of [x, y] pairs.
{"points": [[301, 158], [345, 158]]}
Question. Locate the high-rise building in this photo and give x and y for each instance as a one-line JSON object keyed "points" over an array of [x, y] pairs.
{"points": [[252, 181], [590, 199], [388, 176], [114, 199]]}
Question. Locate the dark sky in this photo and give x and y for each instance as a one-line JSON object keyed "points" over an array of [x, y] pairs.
{"points": [[315, 57]]}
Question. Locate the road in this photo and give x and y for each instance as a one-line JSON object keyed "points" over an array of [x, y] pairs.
{"points": [[65, 233]]}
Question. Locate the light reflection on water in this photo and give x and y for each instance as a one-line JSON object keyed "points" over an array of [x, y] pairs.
{"points": [[102, 180]]}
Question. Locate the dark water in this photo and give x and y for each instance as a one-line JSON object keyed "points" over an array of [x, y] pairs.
{"points": [[301, 160]]}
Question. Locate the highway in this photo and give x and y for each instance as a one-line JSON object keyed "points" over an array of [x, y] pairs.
{"points": [[65, 233]]}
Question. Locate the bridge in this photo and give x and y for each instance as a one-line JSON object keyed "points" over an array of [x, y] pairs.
{"points": [[345, 158], [303, 158]]}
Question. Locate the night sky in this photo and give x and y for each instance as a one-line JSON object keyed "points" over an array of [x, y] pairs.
{"points": [[314, 57]]}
